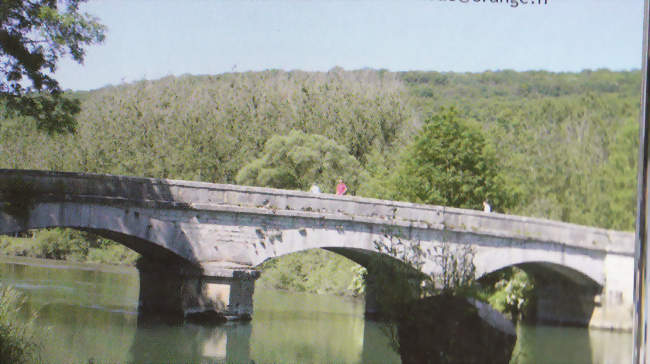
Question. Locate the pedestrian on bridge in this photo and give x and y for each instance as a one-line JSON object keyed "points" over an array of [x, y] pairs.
{"points": [[341, 188], [314, 188], [486, 206]]}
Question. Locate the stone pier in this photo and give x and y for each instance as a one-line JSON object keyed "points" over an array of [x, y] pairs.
{"points": [[372, 309], [212, 292], [388, 282]]}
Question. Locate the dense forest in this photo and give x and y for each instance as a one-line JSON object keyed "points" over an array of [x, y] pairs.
{"points": [[561, 146], [565, 144]]}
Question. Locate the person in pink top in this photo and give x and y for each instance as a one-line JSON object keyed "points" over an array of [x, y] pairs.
{"points": [[341, 188]]}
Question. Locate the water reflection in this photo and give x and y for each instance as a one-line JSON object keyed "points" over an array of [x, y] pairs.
{"points": [[74, 333], [309, 328], [546, 344], [315, 338], [609, 347], [92, 315], [373, 338], [191, 344]]}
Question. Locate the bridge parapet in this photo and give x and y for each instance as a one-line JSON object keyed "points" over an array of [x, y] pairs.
{"points": [[163, 193]]}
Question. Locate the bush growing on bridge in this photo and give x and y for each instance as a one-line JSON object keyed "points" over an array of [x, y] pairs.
{"points": [[431, 318], [397, 273]]}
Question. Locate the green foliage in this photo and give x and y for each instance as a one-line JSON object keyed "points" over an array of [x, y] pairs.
{"points": [[553, 134], [68, 244], [112, 253], [207, 128], [381, 173], [450, 163], [555, 137], [513, 293], [297, 160], [358, 283], [316, 271], [18, 343], [33, 36], [615, 205], [19, 247], [403, 290], [61, 244]]}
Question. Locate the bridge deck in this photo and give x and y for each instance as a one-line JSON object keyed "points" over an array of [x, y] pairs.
{"points": [[200, 196]]}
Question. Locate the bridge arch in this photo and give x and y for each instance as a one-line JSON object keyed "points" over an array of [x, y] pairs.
{"points": [[539, 269], [138, 231], [561, 294], [584, 274]]}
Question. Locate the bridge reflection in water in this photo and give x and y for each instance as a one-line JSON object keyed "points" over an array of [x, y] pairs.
{"points": [[278, 335], [191, 343], [90, 313]]}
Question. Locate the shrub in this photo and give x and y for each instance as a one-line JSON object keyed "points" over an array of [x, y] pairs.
{"points": [[112, 254], [17, 340]]}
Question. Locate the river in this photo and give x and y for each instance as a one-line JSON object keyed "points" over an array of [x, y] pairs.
{"points": [[87, 313]]}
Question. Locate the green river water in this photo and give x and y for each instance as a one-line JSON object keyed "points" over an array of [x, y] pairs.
{"points": [[87, 313]]}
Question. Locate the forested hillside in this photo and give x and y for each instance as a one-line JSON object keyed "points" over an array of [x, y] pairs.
{"points": [[565, 144], [559, 146], [206, 128]]}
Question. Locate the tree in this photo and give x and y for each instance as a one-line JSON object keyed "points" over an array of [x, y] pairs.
{"points": [[34, 34], [297, 160], [450, 163], [615, 206]]}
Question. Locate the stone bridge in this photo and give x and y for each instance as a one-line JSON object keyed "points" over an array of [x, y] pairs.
{"points": [[200, 242]]}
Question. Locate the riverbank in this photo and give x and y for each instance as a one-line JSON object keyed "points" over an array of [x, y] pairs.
{"points": [[67, 244]]}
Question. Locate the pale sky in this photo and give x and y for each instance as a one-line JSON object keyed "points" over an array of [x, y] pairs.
{"points": [[150, 39]]}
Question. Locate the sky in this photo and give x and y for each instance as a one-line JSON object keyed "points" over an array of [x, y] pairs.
{"points": [[151, 39]]}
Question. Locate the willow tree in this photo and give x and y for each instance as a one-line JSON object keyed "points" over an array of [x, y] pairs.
{"points": [[297, 160]]}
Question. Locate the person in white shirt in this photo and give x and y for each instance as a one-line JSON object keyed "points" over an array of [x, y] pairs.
{"points": [[486, 206]]}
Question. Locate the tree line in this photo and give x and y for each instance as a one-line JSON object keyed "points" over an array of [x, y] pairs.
{"points": [[559, 146]]}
